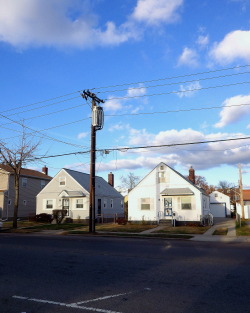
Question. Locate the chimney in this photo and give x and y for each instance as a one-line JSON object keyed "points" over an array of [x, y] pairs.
{"points": [[111, 179], [191, 176], [45, 170]]}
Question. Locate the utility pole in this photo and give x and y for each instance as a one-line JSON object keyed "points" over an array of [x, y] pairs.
{"points": [[241, 193], [96, 124]]}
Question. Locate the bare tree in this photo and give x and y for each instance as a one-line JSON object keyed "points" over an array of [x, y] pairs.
{"points": [[129, 181], [15, 156], [202, 183]]}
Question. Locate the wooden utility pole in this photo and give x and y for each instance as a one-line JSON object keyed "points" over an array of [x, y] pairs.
{"points": [[96, 124], [241, 193]]}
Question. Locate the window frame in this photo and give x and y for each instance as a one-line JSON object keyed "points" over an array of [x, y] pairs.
{"points": [[77, 204], [145, 204], [62, 181], [46, 204], [24, 182], [186, 203]]}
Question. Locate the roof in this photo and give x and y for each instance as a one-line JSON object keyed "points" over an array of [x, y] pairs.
{"points": [[102, 187], [177, 192], [246, 194], [191, 183], [26, 172], [72, 194]]}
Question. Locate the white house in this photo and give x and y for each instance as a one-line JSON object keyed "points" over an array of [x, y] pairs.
{"points": [[69, 190], [220, 204], [165, 194]]}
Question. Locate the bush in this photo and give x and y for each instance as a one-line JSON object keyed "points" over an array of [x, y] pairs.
{"points": [[44, 218], [121, 221]]}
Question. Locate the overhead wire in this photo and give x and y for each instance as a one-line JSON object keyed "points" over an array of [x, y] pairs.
{"points": [[125, 84], [125, 149]]}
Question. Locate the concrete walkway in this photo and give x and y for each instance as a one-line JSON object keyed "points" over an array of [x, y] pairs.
{"points": [[228, 223]]}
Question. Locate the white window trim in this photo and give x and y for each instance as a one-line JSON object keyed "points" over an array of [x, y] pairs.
{"points": [[62, 179], [53, 204], [147, 202], [83, 206]]}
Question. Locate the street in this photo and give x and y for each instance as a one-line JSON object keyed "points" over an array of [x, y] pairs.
{"points": [[47, 274]]}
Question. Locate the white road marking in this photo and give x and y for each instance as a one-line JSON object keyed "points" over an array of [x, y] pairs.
{"points": [[103, 298], [65, 304]]}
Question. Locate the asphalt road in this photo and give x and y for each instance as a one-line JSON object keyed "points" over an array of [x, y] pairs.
{"points": [[93, 274]]}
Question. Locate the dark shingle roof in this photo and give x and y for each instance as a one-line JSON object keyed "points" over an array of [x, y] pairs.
{"points": [[102, 187], [26, 172]]}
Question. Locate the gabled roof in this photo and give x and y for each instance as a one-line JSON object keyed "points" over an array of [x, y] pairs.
{"points": [[162, 163], [102, 187], [26, 172]]}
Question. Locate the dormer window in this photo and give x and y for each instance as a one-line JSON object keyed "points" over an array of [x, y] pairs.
{"points": [[62, 181]]}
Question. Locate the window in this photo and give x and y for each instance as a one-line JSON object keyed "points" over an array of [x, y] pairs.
{"points": [[216, 195], [145, 203], [79, 203], [24, 202], [162, 168], [49, 204], [162, 178], [9, 202], [111, 203], [62, 181], [122, 203], [43, 183], [104, 203], [24, 181], [186, 203]]}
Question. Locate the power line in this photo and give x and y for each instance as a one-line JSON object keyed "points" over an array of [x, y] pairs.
{"points": [[177, 83], [43, 135], [125, 149], [176, 92], [176, 111], [174, 77], [125, 84]]}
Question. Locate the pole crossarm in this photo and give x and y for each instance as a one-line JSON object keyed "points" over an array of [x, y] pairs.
{"points": [[87, 94]]}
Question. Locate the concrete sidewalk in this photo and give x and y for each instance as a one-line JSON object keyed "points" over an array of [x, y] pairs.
{"points": [[228, 223]]}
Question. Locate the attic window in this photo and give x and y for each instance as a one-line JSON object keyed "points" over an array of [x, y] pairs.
{"points": [[162, 168], [62, 181], [216, 195]]}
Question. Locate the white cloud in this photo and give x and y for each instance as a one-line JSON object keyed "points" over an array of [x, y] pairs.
{"points": [[71, 23], [189, 90], [136, 91], [154, 12], [235, 45], [119, 126], [117, 103], [113, 104], [188, 57], [82, 135], [234, 110], [203, 41]]}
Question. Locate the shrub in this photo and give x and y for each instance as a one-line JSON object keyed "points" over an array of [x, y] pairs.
{"points": [[44, 218], [121, 221]]}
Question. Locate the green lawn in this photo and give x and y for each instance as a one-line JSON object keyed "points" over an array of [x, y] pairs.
{"points": [[183, 230], [221, 231], [244, 230]]}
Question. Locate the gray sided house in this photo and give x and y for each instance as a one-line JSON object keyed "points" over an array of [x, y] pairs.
{"points": [[164, 194], [69, 190], [31, 183]]}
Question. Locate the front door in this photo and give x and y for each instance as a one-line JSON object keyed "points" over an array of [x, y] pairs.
{"points": [[65, 205], [167, 206], [99, 207]]}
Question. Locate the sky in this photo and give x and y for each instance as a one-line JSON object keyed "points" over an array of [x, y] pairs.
{"points": [[171, 72]]}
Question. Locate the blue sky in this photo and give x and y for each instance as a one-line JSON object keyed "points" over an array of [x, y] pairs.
{"points": [[170, 72]]}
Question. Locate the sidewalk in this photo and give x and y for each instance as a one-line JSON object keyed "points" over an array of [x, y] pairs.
{"points": [[228, 223]]}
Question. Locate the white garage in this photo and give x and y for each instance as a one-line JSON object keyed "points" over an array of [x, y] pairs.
{"points": [[218, 209]]}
